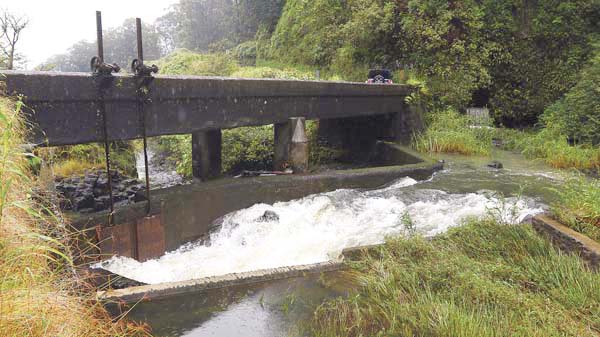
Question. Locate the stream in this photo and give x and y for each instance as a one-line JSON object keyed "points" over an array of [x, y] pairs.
{"points": [[316, 229]]}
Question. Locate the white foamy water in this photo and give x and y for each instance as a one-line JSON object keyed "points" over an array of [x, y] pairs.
{"points": [[317, 228]]}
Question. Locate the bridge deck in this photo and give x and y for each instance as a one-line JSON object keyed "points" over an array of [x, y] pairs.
{"points": [[63, 107]]}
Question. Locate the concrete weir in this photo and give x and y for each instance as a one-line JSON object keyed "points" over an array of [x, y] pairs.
{"points": [[187, 213]]}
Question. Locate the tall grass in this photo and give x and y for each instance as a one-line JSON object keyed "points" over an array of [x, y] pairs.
{"points": [[579, 205], [74, 160], [451, 132], [482, 279], [554, 149], [39, 293]]}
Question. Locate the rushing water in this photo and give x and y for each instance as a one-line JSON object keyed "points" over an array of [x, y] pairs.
{"points": [[317, 228], [162, 174]]}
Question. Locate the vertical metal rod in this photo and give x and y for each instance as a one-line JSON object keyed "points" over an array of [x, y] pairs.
{"points": [[99, 36], [103, 113], [140, 50]]}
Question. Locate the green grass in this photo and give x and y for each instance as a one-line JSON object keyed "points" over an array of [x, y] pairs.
{"points": [[482, 279], [77, 159], [552, 148], [185, 62], [39, 294], [579, 205], [450, 132]]}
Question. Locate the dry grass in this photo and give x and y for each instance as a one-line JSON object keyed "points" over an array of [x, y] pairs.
{"points": [[39, 294]]}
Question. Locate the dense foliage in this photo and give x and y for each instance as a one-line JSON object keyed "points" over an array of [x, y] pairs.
{"points": [[519, 55], [577, 115], [216, 25]]}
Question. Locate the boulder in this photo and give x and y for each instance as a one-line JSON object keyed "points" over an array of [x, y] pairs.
{"points": [[496, 164], [268, 216], [83, 201]]}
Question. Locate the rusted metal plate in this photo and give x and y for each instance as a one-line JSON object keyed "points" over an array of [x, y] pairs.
{"points": [[116, 240], [151, 238]]}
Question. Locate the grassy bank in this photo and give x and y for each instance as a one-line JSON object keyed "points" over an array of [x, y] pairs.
{"points": [[451, 132], [579, 205], [483, 279], [39, 295]]}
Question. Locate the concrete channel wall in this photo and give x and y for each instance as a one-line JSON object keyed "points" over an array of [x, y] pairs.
{"points": [[569, 240], [563, 237], [187, 212]]}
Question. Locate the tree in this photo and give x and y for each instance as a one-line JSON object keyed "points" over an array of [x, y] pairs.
{"points": [[11, 26]]}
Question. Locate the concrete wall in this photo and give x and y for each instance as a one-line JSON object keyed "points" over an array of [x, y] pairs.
{"points": [[187, 212]]}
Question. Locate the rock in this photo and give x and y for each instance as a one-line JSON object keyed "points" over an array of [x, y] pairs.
{"points": [[102, 202], [495, 164], [102, 182], [268, 216], [90, 192], [120, 196], [84, 201], [130, 182], [139, 196]]}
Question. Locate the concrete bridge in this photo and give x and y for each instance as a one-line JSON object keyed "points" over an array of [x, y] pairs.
{"points": [[64, 110]]}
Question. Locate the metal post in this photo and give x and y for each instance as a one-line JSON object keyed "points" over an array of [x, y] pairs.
{"points": [[102, 104], [99, 37], [144, 78]]}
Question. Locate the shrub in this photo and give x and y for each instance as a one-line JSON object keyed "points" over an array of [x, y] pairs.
{"points": [[450, 132], [577, 115]]}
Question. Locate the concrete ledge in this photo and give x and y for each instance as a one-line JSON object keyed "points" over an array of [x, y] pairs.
{"points": [[162, 290], [569, 240]]}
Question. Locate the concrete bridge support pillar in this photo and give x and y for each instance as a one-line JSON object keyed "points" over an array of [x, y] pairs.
{"points": [[291, 145], [206, 154]]}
